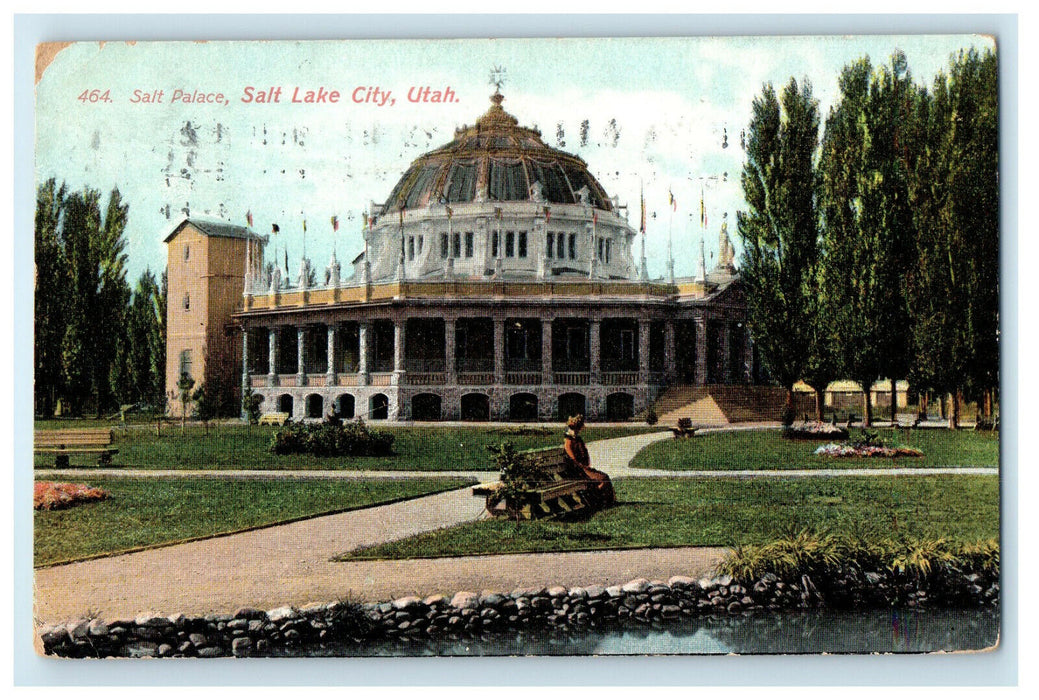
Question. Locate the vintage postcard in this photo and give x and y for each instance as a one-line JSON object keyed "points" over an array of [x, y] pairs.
{"points": [[499, 347]]}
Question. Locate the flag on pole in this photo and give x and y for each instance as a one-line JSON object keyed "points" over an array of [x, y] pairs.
{"points": [[703, 210], [304, 225], [335, 223], [642, 201], [595, 217], [548, 214], [671, 200], [498, 213], [402, 208], [249, 218], [449, 211], [275, 229]]}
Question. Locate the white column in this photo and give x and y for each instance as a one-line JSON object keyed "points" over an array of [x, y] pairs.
{"points": [[449, 352], [362, 353], [701, 351], [670, 370], [594, 339], [748, 356], [398, 351], [499, 348], [301, 374], [331, 371], [644, 352], [272, 355], [245, 365], [546, 352]]}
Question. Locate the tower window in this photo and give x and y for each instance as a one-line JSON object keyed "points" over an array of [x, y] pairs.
{"points": [[601, 250], [420, 240], [550, 242], [560, 245], [522, 244], [573, 246], [510, 244], [411, 247], [185, 363], [468, 244], [607, 250], [494, 244], [443, 246], [456, 245], [187, 251], [187, 302]]}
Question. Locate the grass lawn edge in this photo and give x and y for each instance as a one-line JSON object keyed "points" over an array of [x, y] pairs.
{"points": [[228, 533], [343, 558]]}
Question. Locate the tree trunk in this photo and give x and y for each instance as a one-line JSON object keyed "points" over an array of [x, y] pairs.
{"points": [[987, 405], [867, 405], [820, 402], [921, 412], [954, 410], [941, 407], [788, 407], [894, 404]]}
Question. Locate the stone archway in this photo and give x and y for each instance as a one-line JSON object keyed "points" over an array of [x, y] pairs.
{"points": [[426, 407], [285, 404], [620, 406], [379, 407], [315, 406], [523, 407], [345, 406], [476, 407], [571, 404]]}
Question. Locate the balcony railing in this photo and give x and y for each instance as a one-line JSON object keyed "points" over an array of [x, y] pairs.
{"points": [[572, 378], [522, 378], [287, 380], [476, 378], [522, 364], [347, 379], [620, 378], [426, 378], [381, 379]]}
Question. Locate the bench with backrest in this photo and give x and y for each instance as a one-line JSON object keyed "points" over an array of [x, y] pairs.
{"points": [[559, 488], [274, 418], [62, 443]]}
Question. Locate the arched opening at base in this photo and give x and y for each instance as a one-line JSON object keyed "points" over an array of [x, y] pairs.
{"points": [[425, 407], [476, 407], [315, 406], [285, 404], [345, 406], [620, 406], [571, 405], [379, 407], [523, 407]]}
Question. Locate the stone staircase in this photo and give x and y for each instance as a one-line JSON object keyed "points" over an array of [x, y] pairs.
{"points": [[720, 404]]}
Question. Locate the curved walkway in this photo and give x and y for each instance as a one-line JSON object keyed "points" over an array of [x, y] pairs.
{"points": [[291, 564]]}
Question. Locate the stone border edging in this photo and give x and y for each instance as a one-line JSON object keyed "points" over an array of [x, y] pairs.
{"points": [[288, 630]]}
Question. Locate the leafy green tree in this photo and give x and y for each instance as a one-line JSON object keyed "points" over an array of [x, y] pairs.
{"points": [[780, 229], [955, 193], [50, 298], [868, 152], [145, 333]]}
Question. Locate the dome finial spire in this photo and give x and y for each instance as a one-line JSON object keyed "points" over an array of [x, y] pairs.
{"points": [[497, 79]]}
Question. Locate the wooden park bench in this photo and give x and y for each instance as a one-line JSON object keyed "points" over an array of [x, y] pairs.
{"points": [[274, 418], [561, 489], [62, 443]]}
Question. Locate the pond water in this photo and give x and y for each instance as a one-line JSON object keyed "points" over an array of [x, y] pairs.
{"points": [[810, 632]]}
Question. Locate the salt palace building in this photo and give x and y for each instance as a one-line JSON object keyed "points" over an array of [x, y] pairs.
{"points": [[498, 282]]}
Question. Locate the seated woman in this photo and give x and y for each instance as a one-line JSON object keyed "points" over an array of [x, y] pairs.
{"points": [[578, 454]]}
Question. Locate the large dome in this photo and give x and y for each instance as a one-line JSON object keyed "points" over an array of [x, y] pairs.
{"points": [[496, 160]]}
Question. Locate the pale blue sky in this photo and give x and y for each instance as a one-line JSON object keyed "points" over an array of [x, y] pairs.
{"points": [[657, 112]]}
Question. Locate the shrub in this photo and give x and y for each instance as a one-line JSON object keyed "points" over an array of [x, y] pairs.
{"points": [[251, 403], [651, 417], [331, 439]]}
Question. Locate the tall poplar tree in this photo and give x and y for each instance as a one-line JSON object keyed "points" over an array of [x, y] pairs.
{"points": [[50, 298], [779, 229], [868, 151]]}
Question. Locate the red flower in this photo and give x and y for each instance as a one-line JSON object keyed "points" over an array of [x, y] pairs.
{"points": [[51, 495]]}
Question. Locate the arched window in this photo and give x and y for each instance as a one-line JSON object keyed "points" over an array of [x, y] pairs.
{"points": [[187, 302]]}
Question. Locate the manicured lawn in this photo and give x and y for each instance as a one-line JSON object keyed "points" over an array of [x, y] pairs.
{"points": [[144, 512], [767, 449], [730, 511], [245, 447]]}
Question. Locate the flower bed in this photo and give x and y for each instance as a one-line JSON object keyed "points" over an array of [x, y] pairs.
{"points": [[815, 430], [51, 495], [852, 450]]}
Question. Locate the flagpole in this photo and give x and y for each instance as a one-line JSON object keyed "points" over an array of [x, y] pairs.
{"points": [[670, 257]]}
